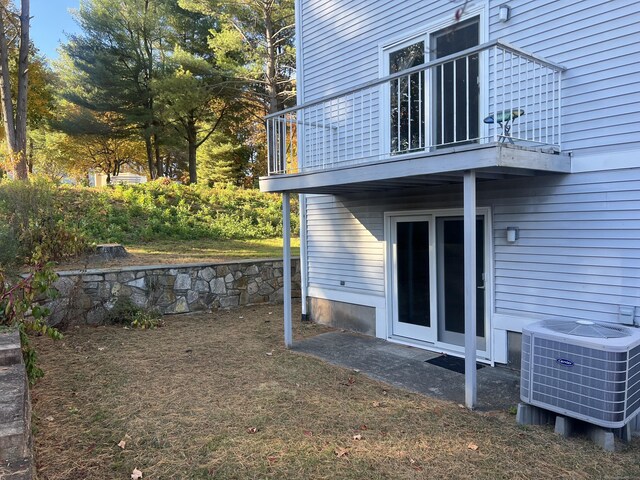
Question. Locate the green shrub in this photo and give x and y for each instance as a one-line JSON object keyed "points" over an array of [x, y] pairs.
{"points": [[34, 219], [64, 220], [20, 307], [125, 312]]}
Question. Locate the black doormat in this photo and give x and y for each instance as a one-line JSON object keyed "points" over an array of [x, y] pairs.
{"points": [[455, 364]]}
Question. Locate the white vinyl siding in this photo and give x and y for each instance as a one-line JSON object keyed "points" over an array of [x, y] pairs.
{"points": [[578, 254], [599, 43], [343, 245]]}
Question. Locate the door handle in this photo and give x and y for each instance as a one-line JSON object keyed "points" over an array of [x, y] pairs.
{"points": [[481, 287]]}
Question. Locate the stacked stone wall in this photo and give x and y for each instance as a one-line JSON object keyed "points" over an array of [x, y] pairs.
{"points": [[87, 296]]}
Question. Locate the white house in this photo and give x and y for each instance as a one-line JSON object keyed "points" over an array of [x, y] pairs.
{"points": [[462, 178], [99, 179]]}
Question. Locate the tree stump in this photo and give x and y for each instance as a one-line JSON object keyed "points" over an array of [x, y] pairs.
{"points": [[109, 251]]}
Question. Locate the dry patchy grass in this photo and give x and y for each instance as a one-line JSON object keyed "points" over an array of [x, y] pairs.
{"points": [[187, 397], [163, 252]]}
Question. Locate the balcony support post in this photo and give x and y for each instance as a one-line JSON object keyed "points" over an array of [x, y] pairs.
{"points": [[303, 255], [286, 267], [470, 380]]}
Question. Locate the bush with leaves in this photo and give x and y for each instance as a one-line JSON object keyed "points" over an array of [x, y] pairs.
{"points": [[125, 312], [33, 218], [64, 219], [20, 298]]}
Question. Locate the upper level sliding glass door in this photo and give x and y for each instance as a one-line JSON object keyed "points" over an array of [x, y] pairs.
{"points": [[439, 106], [456, 90], [407, 102]]}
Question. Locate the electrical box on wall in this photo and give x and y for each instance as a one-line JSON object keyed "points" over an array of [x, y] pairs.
{"points": [[626, 314]]}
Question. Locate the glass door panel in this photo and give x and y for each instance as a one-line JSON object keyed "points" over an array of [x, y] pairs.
{"points": [[451, 298], [407, 100], [413, 273], [412, 316], [455, 85]]}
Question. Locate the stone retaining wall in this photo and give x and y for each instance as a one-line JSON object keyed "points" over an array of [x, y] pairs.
{"points": [[16, 455], [87, 296]]}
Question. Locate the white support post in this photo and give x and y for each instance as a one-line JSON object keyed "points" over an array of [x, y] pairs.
{"points": [[286, 267], [470, 381], [303, 255]]}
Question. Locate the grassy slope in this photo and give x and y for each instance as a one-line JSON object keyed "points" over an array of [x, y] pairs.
{"points": [[159, 220]]}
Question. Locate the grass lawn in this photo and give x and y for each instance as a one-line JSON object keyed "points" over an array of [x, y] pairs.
{"points": [[217, 396], [160, 252]]}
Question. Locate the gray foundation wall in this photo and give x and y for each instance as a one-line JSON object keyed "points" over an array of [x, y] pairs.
{"points": [[357, 318], [87, 296]]}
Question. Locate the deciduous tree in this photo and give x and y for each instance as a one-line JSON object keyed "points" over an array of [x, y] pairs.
{"points": [[14, 35]]}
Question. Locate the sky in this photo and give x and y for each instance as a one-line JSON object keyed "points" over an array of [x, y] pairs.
{"points": [[51, 20]]}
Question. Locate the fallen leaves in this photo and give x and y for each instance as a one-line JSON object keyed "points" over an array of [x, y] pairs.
{"points": [[350, 381], [341, 452], [415, 465], [122, 444], [269, 354], [357, 436], [472, 446], [49, 418], [252, 430], [136, 474]]}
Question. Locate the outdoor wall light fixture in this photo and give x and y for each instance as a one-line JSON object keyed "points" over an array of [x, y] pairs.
{"points": [[504, 13], [513, 233]]}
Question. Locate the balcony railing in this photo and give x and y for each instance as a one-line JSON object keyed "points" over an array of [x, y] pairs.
{"points": [[490, 93]]}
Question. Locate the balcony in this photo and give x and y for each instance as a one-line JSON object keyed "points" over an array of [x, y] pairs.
{"points": [[493, 108]]}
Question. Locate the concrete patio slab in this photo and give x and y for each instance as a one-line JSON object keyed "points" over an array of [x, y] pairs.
{"points": [[406, 367]]}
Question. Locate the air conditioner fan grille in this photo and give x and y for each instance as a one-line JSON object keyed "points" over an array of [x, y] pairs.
{"points": [[585, 328]]}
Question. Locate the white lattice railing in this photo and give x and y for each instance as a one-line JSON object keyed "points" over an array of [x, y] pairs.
{"points": [[490, 93]]}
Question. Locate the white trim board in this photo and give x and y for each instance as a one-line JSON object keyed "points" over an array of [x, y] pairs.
{"points": [[377, 301], [473, 9], [347, 296], [514, 323]]}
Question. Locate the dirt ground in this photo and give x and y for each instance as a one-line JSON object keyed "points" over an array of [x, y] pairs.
{"points": [[217, 396]]}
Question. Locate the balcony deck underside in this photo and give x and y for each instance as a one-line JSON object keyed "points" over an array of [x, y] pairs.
{"points": [[490, 161]]}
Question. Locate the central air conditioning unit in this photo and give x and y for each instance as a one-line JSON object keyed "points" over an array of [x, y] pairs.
{"points": [[581, 369]]}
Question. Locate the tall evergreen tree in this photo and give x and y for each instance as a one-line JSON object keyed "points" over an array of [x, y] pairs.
{"points": [[121, 50], [256, 39], [193, 95]]}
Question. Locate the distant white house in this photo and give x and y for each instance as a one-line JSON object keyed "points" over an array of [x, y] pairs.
{"points": [[98, 179], [505, 144]]}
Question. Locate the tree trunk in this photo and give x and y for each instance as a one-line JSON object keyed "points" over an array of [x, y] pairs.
{"points": [[21, 102], [149, 147], [192, 139], [5, 90], [272, 81], [30, 156], [15, 121], [156, 148]]}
